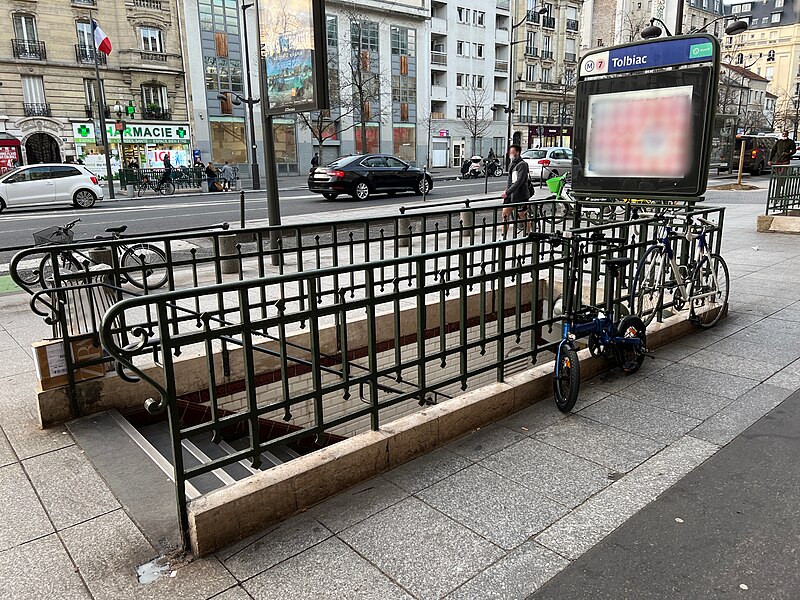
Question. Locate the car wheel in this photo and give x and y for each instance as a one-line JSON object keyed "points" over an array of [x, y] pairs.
{"points": [[329, 196], [361, 190], [2, 205], [423, 186], [84, 199], [759, 170]]}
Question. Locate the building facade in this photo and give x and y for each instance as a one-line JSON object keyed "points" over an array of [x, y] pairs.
{"points": [[49, 94], [469, 82], [770, 48], [545, 72]]}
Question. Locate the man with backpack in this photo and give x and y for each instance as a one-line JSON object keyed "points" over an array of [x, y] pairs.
{"points": [[518, 188]]}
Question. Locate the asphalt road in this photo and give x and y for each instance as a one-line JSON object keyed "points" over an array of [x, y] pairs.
{"points": [[152, 213]]}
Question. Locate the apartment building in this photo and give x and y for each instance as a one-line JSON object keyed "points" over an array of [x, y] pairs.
{"points": [[547, 43], [770, 48], [48, 98], [469, 83]]}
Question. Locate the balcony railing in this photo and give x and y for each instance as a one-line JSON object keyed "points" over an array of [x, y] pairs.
{"points": [[547, 54], [438, 115], [157, 114], [86, 55], [534, 17], [152, 4], [153, 56], [531, 51], [36, 110], [572, 25], [570, 57], [501, 66], [438, 58], [91, 111], [85, 2], [549, 22], [27, 49], [503, 4]]}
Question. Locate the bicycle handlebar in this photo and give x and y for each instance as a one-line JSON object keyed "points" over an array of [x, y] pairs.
{"points": [[71, 224]]}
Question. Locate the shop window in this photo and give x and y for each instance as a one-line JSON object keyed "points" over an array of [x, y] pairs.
{"points": [[404, 141], [152, 39], [285, 142], [228, 140], [373, 139]]}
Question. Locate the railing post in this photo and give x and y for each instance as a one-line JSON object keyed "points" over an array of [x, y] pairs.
{"points": [[403, 232]]}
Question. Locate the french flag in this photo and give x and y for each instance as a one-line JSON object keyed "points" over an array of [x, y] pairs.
{"points": [[101, 41]]}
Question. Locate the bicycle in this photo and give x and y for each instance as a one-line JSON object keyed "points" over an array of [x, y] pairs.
{"points": [[562, 208], [702, 283], [624, 342], [143, 265], [163, 188]]}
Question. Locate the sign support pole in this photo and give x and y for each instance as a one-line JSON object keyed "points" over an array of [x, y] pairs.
{"points": [[101, 102]]}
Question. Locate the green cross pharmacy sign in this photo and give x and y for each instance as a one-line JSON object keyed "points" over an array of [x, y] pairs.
{"points": [[177, 133]]}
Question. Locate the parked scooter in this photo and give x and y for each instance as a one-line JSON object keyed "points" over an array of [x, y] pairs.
{"points": [[478, 168]]}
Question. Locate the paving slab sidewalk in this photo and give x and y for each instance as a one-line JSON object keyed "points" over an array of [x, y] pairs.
{"points": [[495, 514]]}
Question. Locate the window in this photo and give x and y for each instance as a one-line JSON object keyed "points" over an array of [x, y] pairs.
{"points": [[778, 3], [771, 56], [461, 111], [25, 28], [463, 15], [736, 9], [228, 140], [716, 6], [478, 18], [462, 80], [404, 41], [477, 81], [776, 17], [739, 58], [90, 90], [221, 43], [530, 43], [768, 73], [57, 172], [152, 40], [375, 162], [546, 39], [33, 89], [462, 48], [477, 50], [85, 37], [530, 73], [404, 142], [545, 75], [572, 13], [569, 45], [332, 31], [154, 99], [364, 35], [746, 7]]}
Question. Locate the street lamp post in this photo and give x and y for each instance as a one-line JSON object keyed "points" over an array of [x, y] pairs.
{"points": [[119, 108], [509, 109], [250, 101]]}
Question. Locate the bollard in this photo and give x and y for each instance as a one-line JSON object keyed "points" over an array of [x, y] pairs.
{"points": [[467, 218], [403, 231], [227, 247]]}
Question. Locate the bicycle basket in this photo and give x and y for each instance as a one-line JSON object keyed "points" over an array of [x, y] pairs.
{"points": [[52, 236], [556, 184]]}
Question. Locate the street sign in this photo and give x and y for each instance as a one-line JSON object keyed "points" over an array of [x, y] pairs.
{"points": [[644, 114], [444, 133]]}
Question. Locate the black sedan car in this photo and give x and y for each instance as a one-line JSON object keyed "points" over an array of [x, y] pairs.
{"points": [[362, 175]]}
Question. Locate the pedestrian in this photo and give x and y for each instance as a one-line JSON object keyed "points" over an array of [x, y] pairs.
{"points": [[167, 170], [491, 155], [315, 161], [226, 172], [783, 150], [517, 188], [211, 177]]}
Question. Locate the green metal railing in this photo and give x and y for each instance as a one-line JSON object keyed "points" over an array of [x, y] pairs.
{"points": [[182, 177], [784, 190], [482, 308]]}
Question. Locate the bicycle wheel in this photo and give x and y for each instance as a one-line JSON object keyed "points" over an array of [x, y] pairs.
{"points": [[708, 291], [68, 265], [167, 188], [145, 262], [629, 358], [555, 212], [647, 289], [567, 385], [140, 190]]}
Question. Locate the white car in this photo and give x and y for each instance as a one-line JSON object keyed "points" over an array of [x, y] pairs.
{"points": [[548, 162], [49, 184]]}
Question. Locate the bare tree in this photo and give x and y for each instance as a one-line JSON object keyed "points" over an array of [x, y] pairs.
{"points": [[475, 117], [631, 24]]}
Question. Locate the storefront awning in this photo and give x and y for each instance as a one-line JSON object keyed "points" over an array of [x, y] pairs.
{"points": [[6, 139]]}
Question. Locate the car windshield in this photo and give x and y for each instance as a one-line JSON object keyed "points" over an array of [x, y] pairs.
{"points": [[534, 154], [8, 174], [343, 161]]}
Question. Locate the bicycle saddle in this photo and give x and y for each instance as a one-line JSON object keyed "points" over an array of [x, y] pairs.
{"points": [[618, 263], [120, 229]]}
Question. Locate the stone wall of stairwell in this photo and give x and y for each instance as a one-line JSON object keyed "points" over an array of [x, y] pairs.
{"points": [[336, 405]]}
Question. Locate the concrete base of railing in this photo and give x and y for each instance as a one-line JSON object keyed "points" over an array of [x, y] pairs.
{"points": [[779, 223], [230, 514]]}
